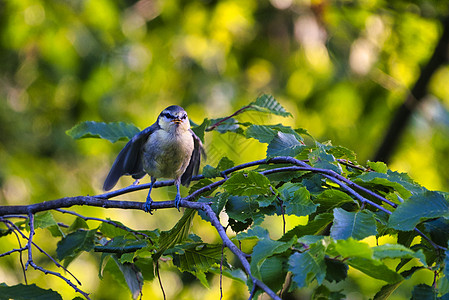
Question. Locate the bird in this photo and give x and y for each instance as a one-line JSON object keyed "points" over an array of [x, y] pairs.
{"points": [[167, 149]]}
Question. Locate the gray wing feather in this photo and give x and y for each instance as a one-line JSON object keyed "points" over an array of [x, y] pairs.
{"points": [[195, 160], [128, 161]]}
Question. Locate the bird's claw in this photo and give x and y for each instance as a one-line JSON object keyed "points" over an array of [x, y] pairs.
{"points": [[147, 205], [177, 201]]}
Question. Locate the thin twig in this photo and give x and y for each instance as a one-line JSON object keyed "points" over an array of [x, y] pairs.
{"points": [[213, 126]]}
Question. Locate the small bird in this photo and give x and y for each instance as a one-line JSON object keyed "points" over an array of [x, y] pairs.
{"points": [[167, 149]]}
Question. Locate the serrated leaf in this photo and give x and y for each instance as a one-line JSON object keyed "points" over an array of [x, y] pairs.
{"points": [[340, 152], [266, 133], [335, 270], [198, 259], [378, 166], [78, 223], [308, 265], [46, 220], [424, 291], [218, 203], [332, 198], [74, 243], [420, 207], [26, 292], [132, 275], [113, 132], [177, 234], [255, 232], [401, 182], [224, 164], [229, 125], [397, 251], [350, 248], [267, 103], [320, 159], [375, 269], [242, 208], [265, 248], [112, 231], [386, 291], [199, 130], [247, 184], [357, 225], [297, 200], [273, 271], [284, 144]]}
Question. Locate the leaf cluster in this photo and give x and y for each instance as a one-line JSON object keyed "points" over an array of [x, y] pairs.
{"points": [[349, 209]]}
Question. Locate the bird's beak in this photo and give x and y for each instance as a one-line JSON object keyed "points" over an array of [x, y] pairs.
{"points": [[177, 121]]}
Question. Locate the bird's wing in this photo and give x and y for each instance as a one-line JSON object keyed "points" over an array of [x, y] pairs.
{"points": [[128, 161], [195, 160]]}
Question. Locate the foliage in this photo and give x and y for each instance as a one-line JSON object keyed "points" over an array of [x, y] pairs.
{"points": [[350, 210]]}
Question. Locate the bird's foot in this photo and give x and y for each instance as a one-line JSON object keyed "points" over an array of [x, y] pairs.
{"points": [[177, 201], [136, 182], [147, 205]]}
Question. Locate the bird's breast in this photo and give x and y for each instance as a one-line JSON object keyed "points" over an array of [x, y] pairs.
{"points": [[166, 154]]}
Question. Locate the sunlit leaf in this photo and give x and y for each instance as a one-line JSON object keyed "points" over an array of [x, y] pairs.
{"points": [[112, 132], [247, 184], [284, 144], [357, 225], [308, 265], [417, 208], [267, 103]]}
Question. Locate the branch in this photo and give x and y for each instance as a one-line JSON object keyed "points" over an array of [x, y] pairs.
{"points": [[417, 95]]}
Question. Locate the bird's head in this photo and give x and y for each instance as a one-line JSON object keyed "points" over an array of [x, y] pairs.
{"points": [[174, 118]]}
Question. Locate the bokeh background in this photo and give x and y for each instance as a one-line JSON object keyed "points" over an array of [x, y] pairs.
{"points": [[342, 68]]}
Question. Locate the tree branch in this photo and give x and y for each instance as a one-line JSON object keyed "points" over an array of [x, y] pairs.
{"points": [[417, 95]]}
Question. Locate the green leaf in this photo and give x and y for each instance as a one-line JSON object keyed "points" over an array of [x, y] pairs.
{"points": [[397, 181], [375, 269], [266, 133], [439, 230], [199, 130], [78, 223], [284, 144], [197, 258], [320, 159], [379, 166], [218, 203], [267, 103], [242, 208], [417, 208], [229, 125], [273, 271], [247, 184], [308, 265], [357, 225], [255, 232], [27, 292], [46, 220], [177, 234], [335, 270], [332, 198], [386, 291], [342, 153], [224, 164], [132, 275], [74, 243], [265, 248], [112, 231], [397, 251], [423, 291], [113, 132], [297, 200], [350, 248], [314, 227]]}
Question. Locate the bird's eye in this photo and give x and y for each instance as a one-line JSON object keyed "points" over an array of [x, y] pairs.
{"points": [[184, 116], [167, 115]]}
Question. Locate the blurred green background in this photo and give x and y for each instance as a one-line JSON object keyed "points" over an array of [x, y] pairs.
{"points": [[340, 67]]}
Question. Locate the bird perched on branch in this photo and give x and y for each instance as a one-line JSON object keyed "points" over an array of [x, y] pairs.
{"points": [[166, 149]]}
